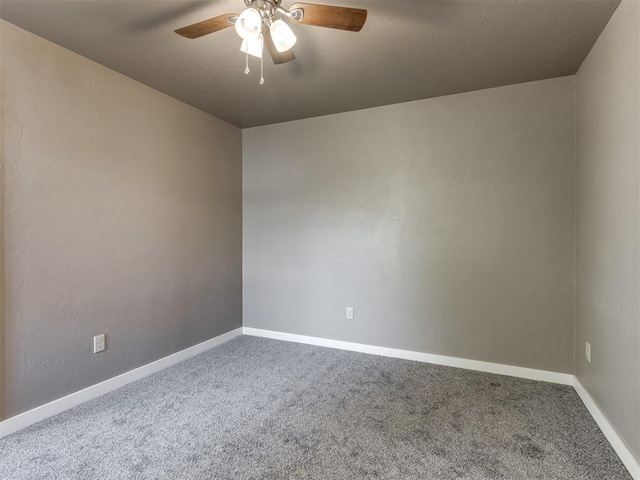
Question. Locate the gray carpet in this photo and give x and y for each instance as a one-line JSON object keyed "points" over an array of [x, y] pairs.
{"points": [[263, 409]]}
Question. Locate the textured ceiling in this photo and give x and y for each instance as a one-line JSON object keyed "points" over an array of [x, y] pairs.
{"points": [[408, 50]]}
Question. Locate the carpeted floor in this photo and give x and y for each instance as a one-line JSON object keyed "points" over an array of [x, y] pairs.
{"points": [[263, 409]]}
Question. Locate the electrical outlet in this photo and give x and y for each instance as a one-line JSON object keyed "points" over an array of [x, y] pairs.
{"points": [[349, 313], [98, 343], [587, 352]]}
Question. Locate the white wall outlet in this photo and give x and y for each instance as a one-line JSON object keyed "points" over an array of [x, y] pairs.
{"points": [[349, 313], [98, 343], [587, 351]]}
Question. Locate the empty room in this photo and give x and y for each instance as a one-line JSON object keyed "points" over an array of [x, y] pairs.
{"points": [[352, 239]]}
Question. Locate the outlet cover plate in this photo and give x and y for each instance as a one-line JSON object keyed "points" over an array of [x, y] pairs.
{"points": [[98, 343], [587, 351]]}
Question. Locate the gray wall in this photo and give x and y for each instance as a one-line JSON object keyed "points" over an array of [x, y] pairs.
{"points": [[122, 215], [608, 213], [446, 223]]}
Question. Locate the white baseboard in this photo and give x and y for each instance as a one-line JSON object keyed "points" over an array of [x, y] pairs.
{"points": [[37, 414], [498, 368], [614, 439], [23, 420]]}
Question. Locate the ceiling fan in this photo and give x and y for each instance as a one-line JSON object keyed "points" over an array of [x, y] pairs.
{"points": [[261, 24]]}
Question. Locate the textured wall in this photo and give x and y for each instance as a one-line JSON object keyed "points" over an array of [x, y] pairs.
{"points": [[2, 261], [122, 215], [608, 214], [446, 223]]}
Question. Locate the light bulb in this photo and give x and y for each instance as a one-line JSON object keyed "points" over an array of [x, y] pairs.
{"points": [[253, 46], [249, 24], [283, 36]]}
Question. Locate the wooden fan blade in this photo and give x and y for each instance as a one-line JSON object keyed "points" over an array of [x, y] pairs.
{"points": [[342, 18], [277, 57], [207, 26]]}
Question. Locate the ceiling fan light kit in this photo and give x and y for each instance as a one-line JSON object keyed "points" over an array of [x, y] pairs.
{"points": [[259, 25], [283, 37], [253, 46], [249, 24]]}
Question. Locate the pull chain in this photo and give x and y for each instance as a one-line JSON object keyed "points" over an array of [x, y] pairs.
{"points": [[246, 61]]}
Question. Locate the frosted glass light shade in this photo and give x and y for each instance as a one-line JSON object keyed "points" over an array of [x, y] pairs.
{"points": [[249, 24], [253, 46], [282, 35]]}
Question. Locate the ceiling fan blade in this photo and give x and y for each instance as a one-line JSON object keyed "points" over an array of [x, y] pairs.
{"points": [[207, 26], [329, 16], [277, 57]]}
